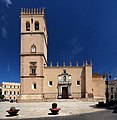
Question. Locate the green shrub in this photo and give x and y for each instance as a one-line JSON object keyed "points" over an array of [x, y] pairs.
{"points": [[1, 96], [54, 105], [13, 108]]}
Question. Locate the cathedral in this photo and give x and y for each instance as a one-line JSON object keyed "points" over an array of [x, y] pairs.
{"points": [[41, 82]]}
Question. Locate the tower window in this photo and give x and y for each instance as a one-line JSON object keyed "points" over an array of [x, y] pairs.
{"points": [[78, 82], [33, 48], [34, 86], [27, 26], [33, 68], [36, 25], [33, 71]]}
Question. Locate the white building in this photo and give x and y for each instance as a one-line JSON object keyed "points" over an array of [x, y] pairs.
{"points": [[10, 90]]}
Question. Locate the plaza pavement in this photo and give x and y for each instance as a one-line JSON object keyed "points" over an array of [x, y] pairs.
{"points": [[40, 110]]}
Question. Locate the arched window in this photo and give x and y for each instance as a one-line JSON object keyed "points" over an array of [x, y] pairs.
{"points": [[33, 49], [27, 26], [36, 25]]}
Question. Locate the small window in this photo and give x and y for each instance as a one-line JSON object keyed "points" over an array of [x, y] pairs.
{"points": [[36, 25], [111, 96], [33, 49], [10, 86], [31, 20], [27, 26], [78, 82], [50, 83], [10, 92], [5, 86], [18, 92], [5, 92], [14, 92], [34, 86], [14, 86], [111, 89]]}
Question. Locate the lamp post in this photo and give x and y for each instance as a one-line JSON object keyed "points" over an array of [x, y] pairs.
{"points": [[107, 77]]}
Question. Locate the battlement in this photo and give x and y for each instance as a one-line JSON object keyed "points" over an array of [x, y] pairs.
{"points": [[32, 11], [70, 64]]}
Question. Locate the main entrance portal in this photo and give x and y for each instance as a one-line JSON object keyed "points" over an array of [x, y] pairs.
{"points": [[64, 85], [64, 92]]}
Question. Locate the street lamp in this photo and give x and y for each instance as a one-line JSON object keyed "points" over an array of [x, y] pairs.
{"points": [[107, 77]]}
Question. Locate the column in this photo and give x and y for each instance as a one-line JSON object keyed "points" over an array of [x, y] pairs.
{"points": [[69, 91], [59, 92]]}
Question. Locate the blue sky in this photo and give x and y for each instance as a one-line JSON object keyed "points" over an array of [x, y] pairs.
{"points": [[78, 30]]}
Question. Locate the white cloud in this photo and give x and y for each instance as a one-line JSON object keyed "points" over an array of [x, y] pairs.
{"points": [[4, 19], [8, 67], [7, 2], [4, 33]]}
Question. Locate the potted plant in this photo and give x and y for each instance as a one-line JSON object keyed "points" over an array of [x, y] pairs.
{"points": [[54, 109], [13, 111]]}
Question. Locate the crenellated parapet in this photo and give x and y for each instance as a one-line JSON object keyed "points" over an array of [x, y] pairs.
{"points": [[86, 63], [34, 11]]}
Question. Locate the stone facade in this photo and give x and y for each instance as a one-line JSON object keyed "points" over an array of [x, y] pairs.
{"points": [[40, 81], [112, 90], [11, 91]]}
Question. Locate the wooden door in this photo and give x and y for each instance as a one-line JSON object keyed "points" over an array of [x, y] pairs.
{"points": [[64, 92]]}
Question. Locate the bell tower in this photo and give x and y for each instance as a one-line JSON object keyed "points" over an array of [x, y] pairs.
{"points": [[33, 53]]}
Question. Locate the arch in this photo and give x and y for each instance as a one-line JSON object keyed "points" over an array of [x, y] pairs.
{"points": [[36, 25], [27, 26], [33, 49]]}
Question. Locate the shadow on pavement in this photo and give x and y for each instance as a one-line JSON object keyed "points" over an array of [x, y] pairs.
{"points": [[110, 105], [12, 115], [100, 115], [53, 114]]}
